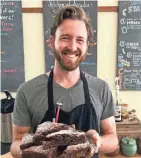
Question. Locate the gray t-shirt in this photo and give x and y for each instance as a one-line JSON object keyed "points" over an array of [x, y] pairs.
{"points": [[31, 101]]}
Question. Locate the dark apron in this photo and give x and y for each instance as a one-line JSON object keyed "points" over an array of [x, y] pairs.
{"points": [[83, 116]]}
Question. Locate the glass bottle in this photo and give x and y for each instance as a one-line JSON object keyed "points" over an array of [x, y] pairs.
{"points": [[118, 116]]}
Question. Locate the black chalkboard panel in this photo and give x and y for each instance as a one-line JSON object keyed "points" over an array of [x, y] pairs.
{"points": [[129, 45], [12, 59], [49, 10]]}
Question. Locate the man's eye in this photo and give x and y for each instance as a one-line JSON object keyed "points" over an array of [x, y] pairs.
{"points": [[80, 41], [64, 38]]}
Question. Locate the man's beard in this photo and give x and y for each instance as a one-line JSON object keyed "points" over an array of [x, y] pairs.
{"points": [[69, 64]]}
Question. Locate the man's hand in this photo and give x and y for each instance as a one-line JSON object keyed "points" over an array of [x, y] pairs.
{"points": [[107, 142], [95, 137]]}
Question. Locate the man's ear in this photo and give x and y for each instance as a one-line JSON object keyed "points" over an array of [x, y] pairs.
{"points": [[51, 42]]}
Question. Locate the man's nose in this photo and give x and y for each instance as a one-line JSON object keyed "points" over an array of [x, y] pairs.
{"points": [[72, 45]]}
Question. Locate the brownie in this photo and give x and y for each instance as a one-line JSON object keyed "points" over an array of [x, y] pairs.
{"points": [[48, 128], [51, 127], [38, 138], [57, 140], [27, 141], [64, 138], [85, 150], [38, 152]]}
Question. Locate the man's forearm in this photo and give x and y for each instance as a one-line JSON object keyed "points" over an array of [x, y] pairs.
{"points": [[15, 149], [109, 143]]}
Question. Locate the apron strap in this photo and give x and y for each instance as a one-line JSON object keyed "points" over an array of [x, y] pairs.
{"points": [[85, 87], [51, 105], [87, 98]]}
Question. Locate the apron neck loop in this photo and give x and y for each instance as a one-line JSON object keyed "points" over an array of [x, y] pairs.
{"points": [[50, 90]]}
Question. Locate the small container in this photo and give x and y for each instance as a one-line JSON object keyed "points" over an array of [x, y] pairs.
{"points": [[128, 146], [7, 105], [6, 128], [124, 111]]}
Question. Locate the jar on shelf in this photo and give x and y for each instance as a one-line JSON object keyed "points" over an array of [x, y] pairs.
{"points": [[124, 111]]}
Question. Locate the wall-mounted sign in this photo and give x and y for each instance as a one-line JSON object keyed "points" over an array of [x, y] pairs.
{"points": [[129, 45], [12, 57]]}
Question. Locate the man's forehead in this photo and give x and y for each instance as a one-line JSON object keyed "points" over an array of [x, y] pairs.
{"points": [[66, 34], [72, 27]]}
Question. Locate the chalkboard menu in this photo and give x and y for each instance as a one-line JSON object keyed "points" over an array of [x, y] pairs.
{"points": [[12, 59], [129, 45], [49, 10]]}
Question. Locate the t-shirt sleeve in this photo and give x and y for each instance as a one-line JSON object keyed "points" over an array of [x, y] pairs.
{"points": [[21, 114], [108, 103]]}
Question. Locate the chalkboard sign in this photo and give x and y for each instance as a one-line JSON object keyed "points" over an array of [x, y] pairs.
{"points": [[129, 45], [49, 10], [12, 57]]}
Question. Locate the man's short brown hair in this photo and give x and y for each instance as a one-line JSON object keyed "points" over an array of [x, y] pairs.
{"points": [[72, 12]]}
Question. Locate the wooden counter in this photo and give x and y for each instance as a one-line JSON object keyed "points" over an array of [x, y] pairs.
{"points": [[120, 156], [8, 155]]}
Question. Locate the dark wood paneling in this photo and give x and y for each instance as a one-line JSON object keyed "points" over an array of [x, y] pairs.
{"points": [[32, 10], [108, 9]]}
